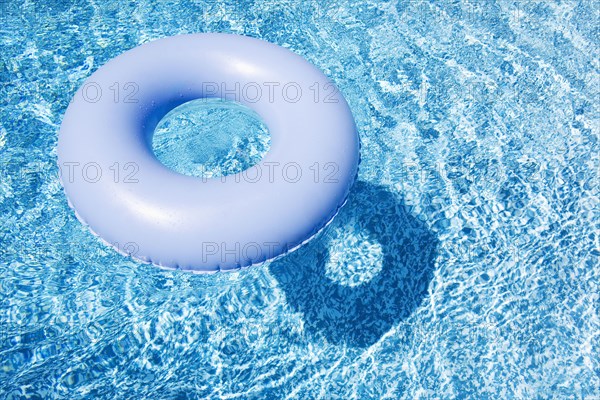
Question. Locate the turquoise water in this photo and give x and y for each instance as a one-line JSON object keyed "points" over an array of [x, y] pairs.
{"points": [[464, 265], [211, 138]]}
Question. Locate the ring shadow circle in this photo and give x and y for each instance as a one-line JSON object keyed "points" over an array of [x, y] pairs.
{"points": [[359, 315]]}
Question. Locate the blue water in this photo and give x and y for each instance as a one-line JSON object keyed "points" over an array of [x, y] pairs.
{"points": [[464, 265], [211, 138]]}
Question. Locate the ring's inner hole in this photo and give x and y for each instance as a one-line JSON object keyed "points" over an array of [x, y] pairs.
{"points": [[211, 138]]}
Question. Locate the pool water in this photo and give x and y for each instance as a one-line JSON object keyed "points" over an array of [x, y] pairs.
{"points": [[464, 265], [211, 138]]}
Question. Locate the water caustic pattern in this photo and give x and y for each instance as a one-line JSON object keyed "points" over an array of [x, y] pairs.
{"points": [[210, 138], [464, 265]]}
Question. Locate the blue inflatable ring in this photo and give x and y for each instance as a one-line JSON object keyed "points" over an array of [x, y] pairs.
{"points": [[136, 204]]}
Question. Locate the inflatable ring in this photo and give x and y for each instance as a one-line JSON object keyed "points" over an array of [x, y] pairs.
{"points": [[136, 204]]}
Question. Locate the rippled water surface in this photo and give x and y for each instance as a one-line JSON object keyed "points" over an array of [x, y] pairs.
{"points": [[464, 265]]}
